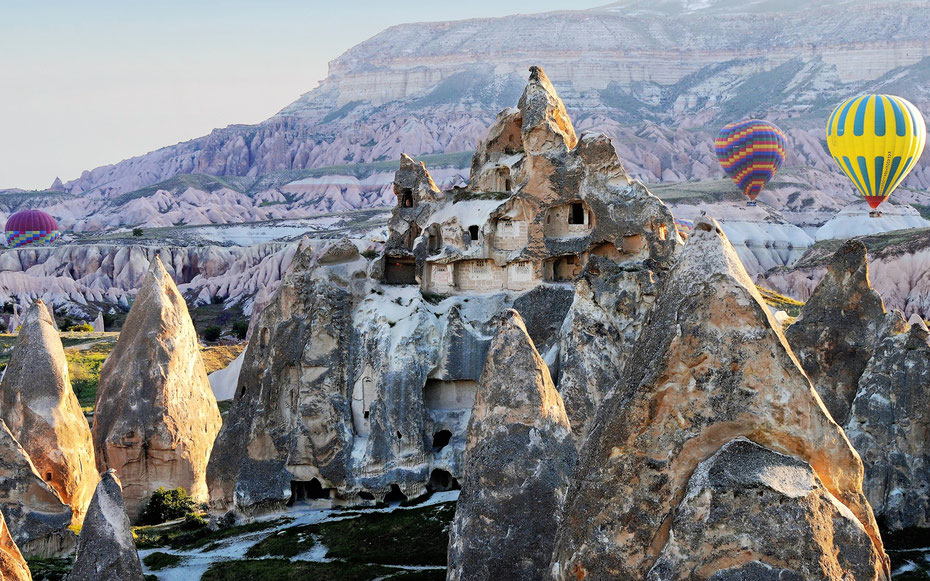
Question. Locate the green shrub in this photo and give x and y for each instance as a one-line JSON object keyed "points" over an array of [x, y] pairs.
{"points": [[240, 328], [167, 505], [212, 333], [158, 560], [137, 232], [81, 328]]}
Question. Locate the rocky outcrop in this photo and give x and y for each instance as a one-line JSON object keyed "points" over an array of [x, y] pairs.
{"points": [[710, 366], [518, 461], [106, 550], [610, 306], [156, 418], [43, 414], [890, 426], [37, 517], [13, 566], [770, 507], [838, 328]]}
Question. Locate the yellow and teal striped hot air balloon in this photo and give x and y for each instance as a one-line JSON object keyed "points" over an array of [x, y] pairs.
{"points": [[876, 140]]}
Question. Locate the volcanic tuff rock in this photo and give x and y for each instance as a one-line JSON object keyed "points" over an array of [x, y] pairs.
{"points": [[43, 414], [156, 418], [838, 328], [37, 517], [610, 306], [769, 506], [106, 550], [710, 366], [518, 460], [889, 425], [13, 566]]}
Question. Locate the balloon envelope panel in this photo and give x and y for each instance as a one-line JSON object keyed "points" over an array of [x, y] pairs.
{"points": [[750, 152], [876, 140], [29, 227]]}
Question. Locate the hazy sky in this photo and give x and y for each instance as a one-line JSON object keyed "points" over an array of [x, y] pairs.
{"points": [[92, 82]]}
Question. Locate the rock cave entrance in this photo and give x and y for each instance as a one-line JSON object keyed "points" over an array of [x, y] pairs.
{"points": [[473, 234], [563, 268], [302, 490], [395, 495], [406, 198], [441, 440], [441, 481], [569, 220], [400, 271]]}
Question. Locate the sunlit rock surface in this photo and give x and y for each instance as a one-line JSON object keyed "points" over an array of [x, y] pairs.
{"points": [[710, 366], [13, 566], [43, 414], [156, 418]]}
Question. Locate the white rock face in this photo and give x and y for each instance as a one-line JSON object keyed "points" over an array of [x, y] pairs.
{"points": [[854, 220]]}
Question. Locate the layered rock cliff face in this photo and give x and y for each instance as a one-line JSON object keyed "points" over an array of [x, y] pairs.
{"points": [[12, 564], [106, 550], [43, 414], [838, 329], [710, 369], [518, 460], [156, 418]]}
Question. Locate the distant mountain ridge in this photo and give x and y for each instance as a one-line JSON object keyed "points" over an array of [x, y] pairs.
{"points": [[658, 76]]}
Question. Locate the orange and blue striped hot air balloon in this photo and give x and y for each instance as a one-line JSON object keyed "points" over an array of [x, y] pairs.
{"points": [[876, 140], [751, 152]]}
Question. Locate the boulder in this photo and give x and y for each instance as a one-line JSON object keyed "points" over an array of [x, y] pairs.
{"points": [[43, 414], [37, 517], [890, 426], [156, 417], [106, 550], [838, 327], [748, 499], [710, 366], [518, 461], [13, 566]]}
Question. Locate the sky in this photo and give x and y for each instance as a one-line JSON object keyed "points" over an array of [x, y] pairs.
{"points": [[93, 82]]}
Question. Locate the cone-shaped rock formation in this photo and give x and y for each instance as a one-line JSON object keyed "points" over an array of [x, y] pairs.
{"points": [[518, 461], [890, 426], [710, 366], [43, 414], [838, 328], [106, 551], [156, 417]]}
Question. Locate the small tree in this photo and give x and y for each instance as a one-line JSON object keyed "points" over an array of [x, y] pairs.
{"points": [[137, 232], [212, 333], [165, 505], [81, 328], [240, 329]]}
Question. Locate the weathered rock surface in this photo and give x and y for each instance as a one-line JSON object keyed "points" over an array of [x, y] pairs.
{"points": [[610, 306], [106, 550], [37, 517], [773, 508], [156, 417], [710, 366], [518, 462], [838, 328], [13, 566], [43, 414], [890, 426]]}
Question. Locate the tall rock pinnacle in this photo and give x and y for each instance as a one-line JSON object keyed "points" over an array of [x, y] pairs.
{"points": [[156, 417], [711, 367], [43, 414]]}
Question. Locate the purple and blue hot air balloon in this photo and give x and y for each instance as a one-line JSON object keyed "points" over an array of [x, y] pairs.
{"points": [[29, 227]]}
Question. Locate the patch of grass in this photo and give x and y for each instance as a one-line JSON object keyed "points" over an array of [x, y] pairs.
{"points": [[781, 302], [158, 561], [284, 570], [50, 569], [418, 536], [284, 543], [216, 357], [176, 536], [84, 370]]}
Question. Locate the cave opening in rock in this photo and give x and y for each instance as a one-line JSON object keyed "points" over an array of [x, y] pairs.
{"points": [[473, 232], [441, 440], [406, 198], [302, 490], [395, 495], [366, 495], [441, 481], [576, 216]]}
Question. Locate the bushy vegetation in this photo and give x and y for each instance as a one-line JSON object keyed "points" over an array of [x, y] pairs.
{"points": [[137, 232], [165, 505], [80, 328], [84, 370], [49, 569], [240, 329], [158, 561], [212, 333]]}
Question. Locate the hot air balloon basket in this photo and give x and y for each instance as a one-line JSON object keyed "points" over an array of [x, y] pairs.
{"points": [[875, 214], [16, 238], [751, 203]]}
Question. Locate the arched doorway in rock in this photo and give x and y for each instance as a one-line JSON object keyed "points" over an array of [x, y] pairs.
{"points": [[441, 481], [395, 495], [441, 440]]}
